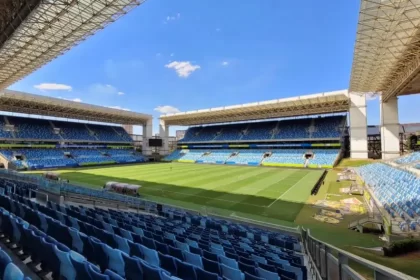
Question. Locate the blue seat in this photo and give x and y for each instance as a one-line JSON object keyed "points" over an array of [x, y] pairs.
{"points": [[150, 272], [267, 274], [162, 248], [229, 262], [258, 259], [182, 246], [115, 259], [197, 251], [168, 263], [112, 275], [185, 271], [150, 255], [67, 270], [210, 256], [205, 275], [211, 266], [12, 272], [193, 259], [149, 243], [96, 275], [135, 249], [231, 273], [132, 267], [252, 277], [166, 276], [286, 274], [247, 268], [4, 261], [81, 267], [100, 256], [122, 244], [219, 252], [77, 243], [176, 253]]}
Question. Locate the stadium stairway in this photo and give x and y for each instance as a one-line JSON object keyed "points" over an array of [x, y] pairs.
{"points": [[6, 121], [91, 132]]}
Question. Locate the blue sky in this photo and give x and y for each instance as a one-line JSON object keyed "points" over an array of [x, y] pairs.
{"points": [[185, 55]]}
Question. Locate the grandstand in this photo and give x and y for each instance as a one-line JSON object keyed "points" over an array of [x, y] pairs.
{"points": [[79, 230], [34, 143]]}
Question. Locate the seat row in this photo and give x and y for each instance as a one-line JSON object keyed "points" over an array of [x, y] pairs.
{"points": [[111, 251]]}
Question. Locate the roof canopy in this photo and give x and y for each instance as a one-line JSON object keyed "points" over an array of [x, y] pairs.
{"points": [[387, 51], [321, 103], [34, 32], [25, 103]]}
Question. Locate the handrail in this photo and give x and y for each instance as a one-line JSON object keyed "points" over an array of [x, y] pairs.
{"points": [[327, 266]]}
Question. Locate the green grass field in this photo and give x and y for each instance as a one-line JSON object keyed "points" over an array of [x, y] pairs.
{"points": [[271, 192], [279, 196]]}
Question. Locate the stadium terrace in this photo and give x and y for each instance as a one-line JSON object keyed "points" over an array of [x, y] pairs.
{"points": [[235, 196]]}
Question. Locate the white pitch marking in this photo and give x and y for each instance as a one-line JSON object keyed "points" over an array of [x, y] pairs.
{"points": [[287, 191]]}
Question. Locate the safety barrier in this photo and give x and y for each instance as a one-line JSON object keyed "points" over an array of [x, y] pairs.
{"points": [[329, 262]]}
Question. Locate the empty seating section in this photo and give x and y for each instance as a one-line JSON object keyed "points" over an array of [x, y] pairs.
{"points": [[30, 128], [307, 128], [247, 157], [411, 158], [260, 131], [293, 129], [109, 134], [330, 127], [90, 156], [55, 158], [74, 131], [124, 156], [324, 157], [77, 242], [215, 156], [192, 155], [292, 157], [398, 191], [234, 133], [26, 128], [287, 157]]}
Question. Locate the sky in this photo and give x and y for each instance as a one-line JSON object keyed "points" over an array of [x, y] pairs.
{"points": [[168, 56]]}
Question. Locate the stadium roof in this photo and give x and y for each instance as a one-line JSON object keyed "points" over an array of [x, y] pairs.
{"points": [[25, 103], [33, 32], [387, 51], [321, 103]]}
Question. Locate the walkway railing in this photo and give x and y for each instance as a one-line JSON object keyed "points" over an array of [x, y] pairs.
{"points": [[327, 262]]}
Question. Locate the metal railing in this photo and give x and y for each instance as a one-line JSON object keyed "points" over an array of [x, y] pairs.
{"points": [[329, 262]]}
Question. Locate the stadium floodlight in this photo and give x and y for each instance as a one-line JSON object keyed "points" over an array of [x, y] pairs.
{"points": [[35, 32]]}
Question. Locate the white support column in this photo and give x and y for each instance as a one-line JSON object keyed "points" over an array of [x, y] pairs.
{"points": [[390, 129], [147, 133], [358, 126], [164, 134]]}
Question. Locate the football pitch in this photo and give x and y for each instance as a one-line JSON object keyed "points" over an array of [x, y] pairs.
{"points": [[277, 193]]}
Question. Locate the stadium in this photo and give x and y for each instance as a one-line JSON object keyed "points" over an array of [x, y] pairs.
{"points": [[293, 188]]}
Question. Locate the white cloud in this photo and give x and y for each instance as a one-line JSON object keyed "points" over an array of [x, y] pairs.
{"points": [[118, 108], [225, 63], [52, 86], [167, 109], [172, 18], [120, 93], [183, 68]]}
